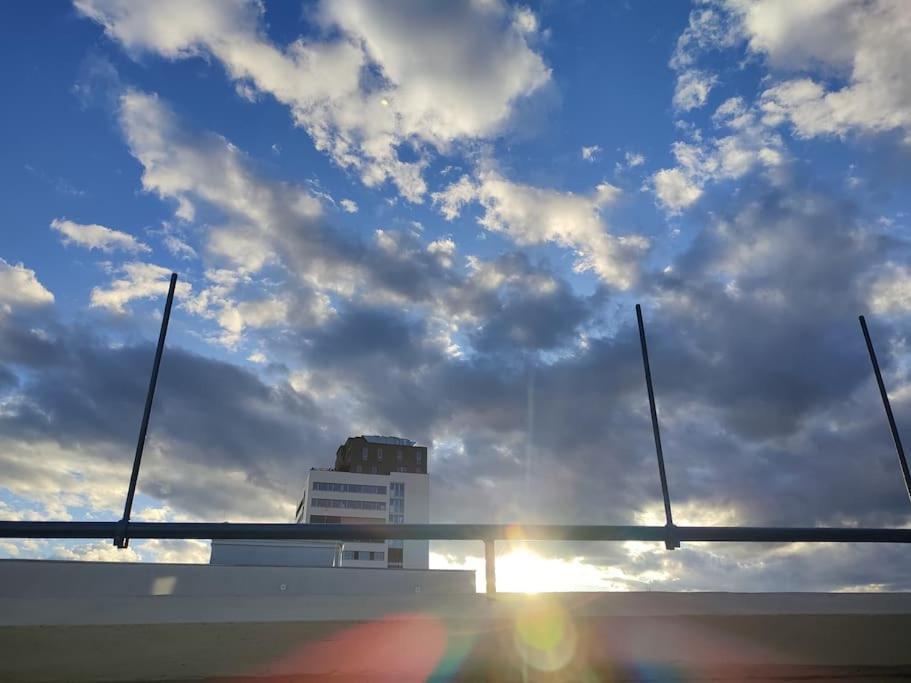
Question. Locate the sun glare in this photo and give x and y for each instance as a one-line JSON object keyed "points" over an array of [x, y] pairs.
{"points": [[521, 570]]}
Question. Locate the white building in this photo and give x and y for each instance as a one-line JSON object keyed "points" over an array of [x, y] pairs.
{"points": [[333, 496]]}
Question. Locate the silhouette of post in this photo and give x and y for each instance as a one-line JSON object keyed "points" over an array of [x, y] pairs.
{"points": [[490, 564], [902, 461], [670, 540], [122, 539]]}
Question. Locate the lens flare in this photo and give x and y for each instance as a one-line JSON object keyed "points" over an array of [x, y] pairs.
{"points": [[545, 636]]}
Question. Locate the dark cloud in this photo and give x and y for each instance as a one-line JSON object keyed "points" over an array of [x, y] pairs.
{"points": [[210, 418], [533, 309]]}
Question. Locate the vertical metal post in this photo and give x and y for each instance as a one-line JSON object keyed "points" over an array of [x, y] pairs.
{"points": [[885, 396], [123, 539], [490, 564], [670, 540]]}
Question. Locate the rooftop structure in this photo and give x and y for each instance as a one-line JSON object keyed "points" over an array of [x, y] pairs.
{"points": [[380, 455]]}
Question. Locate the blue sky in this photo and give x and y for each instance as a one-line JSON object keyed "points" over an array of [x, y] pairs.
{"points": [[433, 220]]}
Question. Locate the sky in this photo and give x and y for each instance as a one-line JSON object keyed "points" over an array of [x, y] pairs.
{"points": [[434, 220]]}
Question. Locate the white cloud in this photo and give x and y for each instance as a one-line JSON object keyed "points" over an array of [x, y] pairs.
{"points": [[182, 165], [19, 286], [395, 73], [891, 291], [451, 200], [137, 281], [692, 89], [634, 159], [178, 247], [348, 205], [591, 153], [235, 316], [93, 236], [708, 28], [444, 249], [853, 55], [531, 215], [97, 552], [675, 190], [750, 144]]}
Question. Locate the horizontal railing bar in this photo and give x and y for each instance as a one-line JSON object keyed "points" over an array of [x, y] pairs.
{"points": [[451, 532]]}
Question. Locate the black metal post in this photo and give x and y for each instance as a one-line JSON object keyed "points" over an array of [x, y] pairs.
{"points": [[490, 564], [122, 539], [670, 541], [888, 406]]}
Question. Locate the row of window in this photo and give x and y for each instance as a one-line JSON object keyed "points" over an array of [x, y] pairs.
{"points": [[396, 519], [363, 555], [399, 456], [325, 519], [348, 488], [359, 468], [348, 504], [397, 505]]}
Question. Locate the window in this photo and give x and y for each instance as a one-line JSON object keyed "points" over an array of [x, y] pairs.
{"points": [[348, 504], [397, 502], [373, 469], [364, 555], [325, 519], [398, 455], [395, 558], [420, 457], [379, 454], [364, 453], [358, 469], [349, 488], [403, 468]]}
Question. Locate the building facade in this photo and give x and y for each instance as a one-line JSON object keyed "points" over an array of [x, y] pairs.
{"points": [[377, 479]]}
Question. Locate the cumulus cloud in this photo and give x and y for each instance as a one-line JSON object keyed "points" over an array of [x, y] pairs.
{"points": [[136, 280], [748, 144], [591, 153], [397, 73], [890, 291], [634, 159], [532, 215], [348, 205], [865, 43], [838, 67], [19, 287], [269, 221], [692, 89], [758, 369], [93, 236], [708, 28]]}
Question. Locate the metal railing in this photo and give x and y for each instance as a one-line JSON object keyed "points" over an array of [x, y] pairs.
{"points": [[670, 534]]}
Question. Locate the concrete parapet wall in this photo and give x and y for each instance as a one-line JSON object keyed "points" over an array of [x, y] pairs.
{"points": [[233, 631]]}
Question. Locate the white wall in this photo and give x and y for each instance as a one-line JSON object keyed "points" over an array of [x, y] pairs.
{"points": [[416, 554]]}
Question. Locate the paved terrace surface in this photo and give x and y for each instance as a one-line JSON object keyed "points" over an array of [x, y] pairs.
{"points": [[54, 629]]}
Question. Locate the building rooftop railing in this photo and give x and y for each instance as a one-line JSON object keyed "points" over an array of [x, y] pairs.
{"points": [[670, 534]]}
